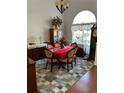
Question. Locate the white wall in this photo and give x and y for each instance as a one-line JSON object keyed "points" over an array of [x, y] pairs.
{"points": [[75, 7], [39, 14]]}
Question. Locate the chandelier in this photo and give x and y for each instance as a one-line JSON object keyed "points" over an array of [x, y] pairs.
{"points": [[62, 6]]}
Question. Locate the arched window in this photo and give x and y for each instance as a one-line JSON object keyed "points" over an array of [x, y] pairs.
{"points": [[81, 29], [84, 17]]}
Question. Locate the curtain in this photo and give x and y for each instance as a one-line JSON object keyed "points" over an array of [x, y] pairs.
{"points": [[81, 27], [81, 33]]}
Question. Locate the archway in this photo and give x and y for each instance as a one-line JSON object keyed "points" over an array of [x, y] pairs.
{"points": [[81, 29]]}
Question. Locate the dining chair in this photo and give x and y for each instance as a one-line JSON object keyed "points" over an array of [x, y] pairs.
{"points": [[75, 57], [51, 58], [50, 46], [74, 44], [68, 59], [57, 45]]}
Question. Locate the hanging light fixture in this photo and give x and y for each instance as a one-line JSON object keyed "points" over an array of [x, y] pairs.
{"points": [[62, 6]]}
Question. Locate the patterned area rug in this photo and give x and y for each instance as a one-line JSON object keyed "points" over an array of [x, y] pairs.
{"points": [[59, 80]]}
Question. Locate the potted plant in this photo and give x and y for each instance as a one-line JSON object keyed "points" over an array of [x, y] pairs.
{"points": [[56, 21]]}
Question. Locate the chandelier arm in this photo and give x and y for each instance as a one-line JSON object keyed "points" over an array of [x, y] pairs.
{"points": [[61, 6], [62, 9]]}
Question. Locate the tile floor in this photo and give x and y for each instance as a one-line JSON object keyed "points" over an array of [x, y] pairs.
{"points": [[59, 80]]}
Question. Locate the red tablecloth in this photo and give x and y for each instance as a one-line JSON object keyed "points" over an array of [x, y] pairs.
{"points": [[62, 52]]}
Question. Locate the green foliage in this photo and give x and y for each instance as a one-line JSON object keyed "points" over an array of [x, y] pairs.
{"points": [[56, 21]]}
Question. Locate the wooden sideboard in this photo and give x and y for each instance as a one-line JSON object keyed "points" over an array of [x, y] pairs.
{"points": [[36, 53], [32, 56]]}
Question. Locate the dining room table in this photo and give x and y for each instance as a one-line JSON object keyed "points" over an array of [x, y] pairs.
{"points": [[61, 52]]}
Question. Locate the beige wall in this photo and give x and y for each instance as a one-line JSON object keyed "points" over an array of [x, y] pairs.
{"points": [[75, 7], [39, 14]]}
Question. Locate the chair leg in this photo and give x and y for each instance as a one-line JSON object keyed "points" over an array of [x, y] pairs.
{"points": [[46, 64], [51, 66], [75, 60], [67, 67], [72, 64], [59, 63]]}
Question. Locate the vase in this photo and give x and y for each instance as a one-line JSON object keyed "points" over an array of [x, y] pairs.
{"points": [[55, 26]]}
